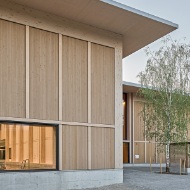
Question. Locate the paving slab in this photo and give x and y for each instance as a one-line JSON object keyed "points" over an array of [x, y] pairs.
{"points": [[140, 178]]}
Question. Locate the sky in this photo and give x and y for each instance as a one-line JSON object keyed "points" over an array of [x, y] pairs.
{"points": [[176, 11]]}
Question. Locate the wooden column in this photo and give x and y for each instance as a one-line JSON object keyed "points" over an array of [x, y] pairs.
{"points": [[89, 106], [132, 124], [27, 73], [21, 143], [60, 102], [7, 143], [118, 108], [31, 143]]}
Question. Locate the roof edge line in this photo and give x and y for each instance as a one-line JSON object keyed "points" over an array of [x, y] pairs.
{"points": [[141, 13]]}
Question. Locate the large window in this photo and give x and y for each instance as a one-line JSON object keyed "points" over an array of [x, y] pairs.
{"points": [[27, 147]]}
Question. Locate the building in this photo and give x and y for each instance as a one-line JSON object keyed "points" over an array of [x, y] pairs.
{"points": [[61, 90], [136, 148]]}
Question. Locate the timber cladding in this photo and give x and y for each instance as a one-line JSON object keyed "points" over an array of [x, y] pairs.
{"points": [[43, 74], [12, 69], [75, 80], [47, 75], [102, 148], [139, 130], [103, 84], [75, 148]]}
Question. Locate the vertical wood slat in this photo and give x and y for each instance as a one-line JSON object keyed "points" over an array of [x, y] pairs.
{"points": [[27, 73], [12, 69], [44, 74], [139, 149], [21, 143], [14, 144], [89, 105], [31, 143], [7, 143], [75, 80], [60, 102], [60, 147], [75, 148], [133, 137], [60, 78], [42, 145], [118, 113], [103, 148], [138, 122], [103, 84]]}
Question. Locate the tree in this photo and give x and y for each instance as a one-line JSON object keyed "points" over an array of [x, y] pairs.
{"points": [[165, 89]]}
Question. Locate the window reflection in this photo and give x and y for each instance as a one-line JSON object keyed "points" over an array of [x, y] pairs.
{"points": [[25, 147]]}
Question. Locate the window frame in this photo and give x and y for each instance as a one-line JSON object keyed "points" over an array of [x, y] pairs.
{"points": [[56, 145]]}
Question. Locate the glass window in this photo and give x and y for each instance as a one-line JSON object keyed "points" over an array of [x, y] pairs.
{"points": [[27, 147]]}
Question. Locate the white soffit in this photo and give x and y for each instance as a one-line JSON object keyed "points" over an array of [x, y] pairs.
{"points": [[138, 28]]}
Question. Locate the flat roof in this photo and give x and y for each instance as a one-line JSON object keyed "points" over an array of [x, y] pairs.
{"points": [[129, 87], [137, 27]]}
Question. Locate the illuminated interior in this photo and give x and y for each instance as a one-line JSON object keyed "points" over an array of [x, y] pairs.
{"points": [[125, 137], [27, 147]]}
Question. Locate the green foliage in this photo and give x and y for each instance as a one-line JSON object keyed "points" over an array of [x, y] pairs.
{"points": [[165, 89]]}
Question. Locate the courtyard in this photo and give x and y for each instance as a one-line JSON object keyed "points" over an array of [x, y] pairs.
{"points": [[138, 178]]}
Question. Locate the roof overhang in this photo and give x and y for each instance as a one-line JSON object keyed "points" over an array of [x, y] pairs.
{"points": [[129, 87], [138, 28]]}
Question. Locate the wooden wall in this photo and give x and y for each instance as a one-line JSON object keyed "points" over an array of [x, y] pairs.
{"points": [[102, 148], [12, 69], [75, 74], [151, 152], [103, 78], [65, 73], [139, 130], [75, 148], [141, 147], [43, 74], [139, 150]]}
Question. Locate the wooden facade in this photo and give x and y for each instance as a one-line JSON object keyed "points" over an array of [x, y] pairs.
{"points": [[136, 148], [52, 73]]}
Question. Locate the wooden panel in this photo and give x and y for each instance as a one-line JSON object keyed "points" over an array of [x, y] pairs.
{"points": [[26, 144], [14, 144], [36, 144], [21, 147], [139, 150], [43, 74], [50, 145], [42, 145], [125, 152], [150, 152], [49, 22], [75, 148], [103, 147], [7, 144], [12, 69], [118, 107], [31, 144], [75, 80], [103, 84], [138, 122]]}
